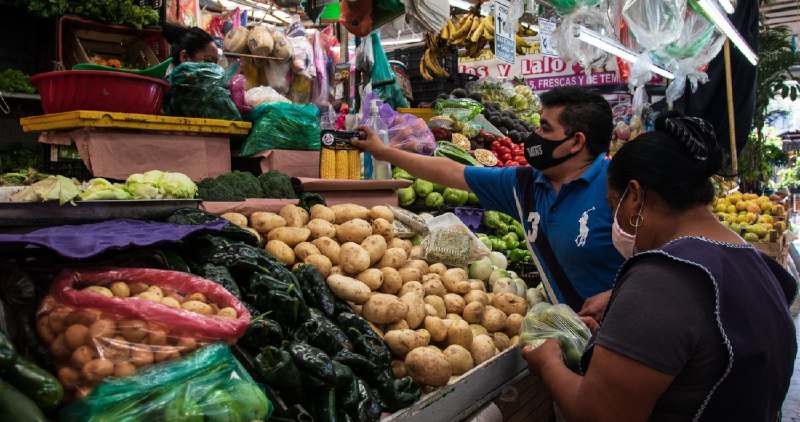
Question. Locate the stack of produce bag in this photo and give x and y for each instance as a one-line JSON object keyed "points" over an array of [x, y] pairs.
{"points": [[200, 90], [283, 126]]}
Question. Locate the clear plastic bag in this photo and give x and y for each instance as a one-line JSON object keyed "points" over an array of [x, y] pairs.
{"points": [[654, 22], [320, 92], [545, 321], [565, 7], [449, 221], [449, 247], [200, 90], [254, 97], [207, 385], [302, 51], [570, 48], [463, 109], [113, 321], [365, 58], [279, 76], [283, 126]]}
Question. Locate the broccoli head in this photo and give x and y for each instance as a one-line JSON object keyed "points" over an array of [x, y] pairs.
{"points": [[230, 187], [276, 185]]}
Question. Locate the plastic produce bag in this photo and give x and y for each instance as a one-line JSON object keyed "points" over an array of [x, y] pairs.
{"points": [[654, 22], [383, 78], [100, 322], [238, 95], [279, 76], [406, 131], [302, 51], [283, 126], [200, 90], [208, 385], [545, 321], [254, 97], [565, 7], [571, 48], [449, 221]]}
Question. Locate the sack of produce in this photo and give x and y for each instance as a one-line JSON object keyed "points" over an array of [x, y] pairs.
{"points": [[100, 322], [545, 321], [283, 126], [210, 384], [259, 41], [200, 90]]}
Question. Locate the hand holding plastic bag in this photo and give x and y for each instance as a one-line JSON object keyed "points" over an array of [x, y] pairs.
{"points": [[207, 385], [545, 321]]}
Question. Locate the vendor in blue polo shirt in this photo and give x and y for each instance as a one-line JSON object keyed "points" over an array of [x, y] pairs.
{"points": [[560, 199]]}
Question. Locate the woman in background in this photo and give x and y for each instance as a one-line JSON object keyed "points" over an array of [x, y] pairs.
{"points": [[190, 45]]}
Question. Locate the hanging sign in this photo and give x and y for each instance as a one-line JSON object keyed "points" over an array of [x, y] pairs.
{"points": [[505, 32], [546, 30]]}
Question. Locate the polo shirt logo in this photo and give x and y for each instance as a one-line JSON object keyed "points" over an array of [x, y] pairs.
{"points": [[533, 223], [583, 228]]}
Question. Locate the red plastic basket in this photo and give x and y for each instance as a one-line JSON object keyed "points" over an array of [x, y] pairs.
{"points": [[97, 90]]}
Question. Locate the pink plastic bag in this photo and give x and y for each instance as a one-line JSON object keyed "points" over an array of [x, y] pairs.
{"points": [[237, 84], [101, 322]]}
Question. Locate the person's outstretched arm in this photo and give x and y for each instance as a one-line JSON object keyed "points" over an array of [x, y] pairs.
{"points": [[443, 171]]}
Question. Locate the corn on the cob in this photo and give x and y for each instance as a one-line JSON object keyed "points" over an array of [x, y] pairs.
{"points": [[353, 164], [327, 164], [342, 171]]}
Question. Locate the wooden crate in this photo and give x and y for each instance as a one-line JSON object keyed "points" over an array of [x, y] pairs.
{"points": [[533, 402], [79, 39], [778, 249]]}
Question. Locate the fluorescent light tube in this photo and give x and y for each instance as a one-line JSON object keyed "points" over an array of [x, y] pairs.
{"points": [[593, 38], [401, 41], [726, 5], [724, 24]]}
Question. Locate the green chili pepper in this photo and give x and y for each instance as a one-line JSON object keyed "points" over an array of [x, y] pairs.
{"points": [[277, 367], [312, 361]]}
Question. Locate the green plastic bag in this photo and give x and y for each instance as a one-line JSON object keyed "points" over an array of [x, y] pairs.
{"points": [[545, 321], [200, 90], [283, 126], [209, 385], [385, 11], [383, 78]]}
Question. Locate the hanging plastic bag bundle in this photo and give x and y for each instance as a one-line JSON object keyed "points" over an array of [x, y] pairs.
{"points": [[200, 90], [571, 47], [545, 321], [383, 78], [209, 384], [283, 126], [99, 322], [565, 7]]}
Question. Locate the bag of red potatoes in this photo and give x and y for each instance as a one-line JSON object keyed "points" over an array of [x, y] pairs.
{"points": [[103, 322]]}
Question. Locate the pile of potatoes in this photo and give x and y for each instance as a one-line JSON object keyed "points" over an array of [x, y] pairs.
{"points": [[194, 302], [438, 323], [88, 346]]}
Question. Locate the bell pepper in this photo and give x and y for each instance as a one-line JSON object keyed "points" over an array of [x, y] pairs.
{"points": [[183, 408], [309, 199], [312, 361], [219, 406], [406, 196], [434, 200], [455, 197], [398, 173], [472, 199], [518, 229], [517, 255], [422, 188], [498, 244], [277, 367], [511, 241]]}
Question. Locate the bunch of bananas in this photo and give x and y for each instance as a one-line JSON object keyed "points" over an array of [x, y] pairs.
{"points": [[429, 66], [471, 32]]}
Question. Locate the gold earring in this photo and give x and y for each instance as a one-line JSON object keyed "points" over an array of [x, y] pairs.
{"points": [[636, 220]]}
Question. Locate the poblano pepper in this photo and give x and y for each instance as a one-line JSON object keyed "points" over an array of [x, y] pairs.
{"points": [[343, 374], [328, 334], [313, 361], [359, 364], [369, 408], [326, 406], [262, 332], [221, 276], [315, 290], [347, 397], [277, 367]]}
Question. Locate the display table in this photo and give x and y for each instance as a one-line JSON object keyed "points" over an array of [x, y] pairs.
{"points": [[367, 193], [116, 145]]}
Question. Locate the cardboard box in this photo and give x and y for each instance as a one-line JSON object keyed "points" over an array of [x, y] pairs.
{"points": [[293, 163]]}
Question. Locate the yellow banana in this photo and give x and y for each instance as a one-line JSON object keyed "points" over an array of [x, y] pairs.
{"points": [[475, 24], [477, 35], [521, 42], [489, 20], [423, 71], [445, 33]]}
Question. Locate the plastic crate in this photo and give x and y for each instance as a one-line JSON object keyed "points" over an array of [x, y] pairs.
{"points": [[64, 161], [527, 272], [427, 91]]}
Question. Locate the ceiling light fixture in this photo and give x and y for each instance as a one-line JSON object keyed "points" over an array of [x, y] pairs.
{"points": [[726, 5], [593, 38], [724, 24]]}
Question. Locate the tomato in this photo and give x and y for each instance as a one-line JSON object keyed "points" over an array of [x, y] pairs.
{"points": [[522, 161], [495, 145], [503, 151], [499, 164], [506, 142], [512, 163], [505, 158]]}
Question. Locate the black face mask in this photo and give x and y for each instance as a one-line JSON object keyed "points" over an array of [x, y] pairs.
{"points": [[539, 151]]}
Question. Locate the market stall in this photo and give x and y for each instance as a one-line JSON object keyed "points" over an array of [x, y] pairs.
{"points": [[214, 222]]}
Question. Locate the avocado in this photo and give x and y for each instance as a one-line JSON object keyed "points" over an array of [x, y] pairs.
{"points": [[459, 93], [476, 96]]}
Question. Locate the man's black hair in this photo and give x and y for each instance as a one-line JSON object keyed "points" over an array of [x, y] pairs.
{"points": [[584, 111]]}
